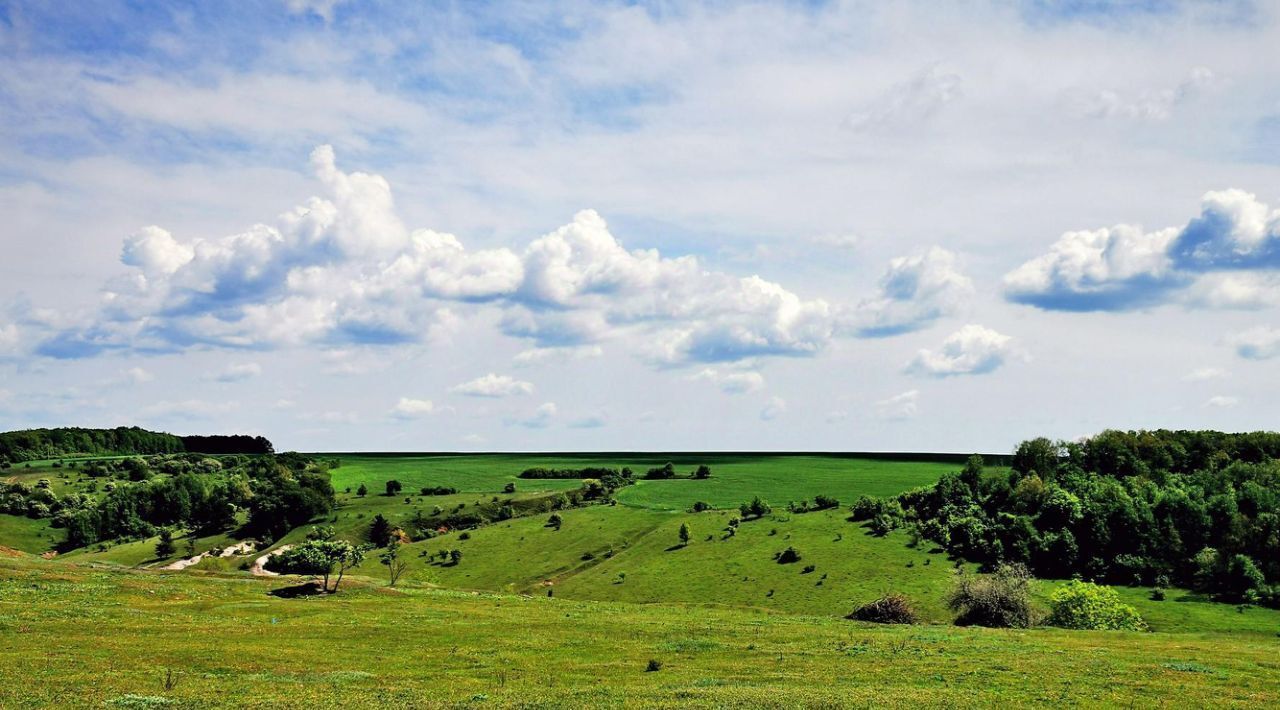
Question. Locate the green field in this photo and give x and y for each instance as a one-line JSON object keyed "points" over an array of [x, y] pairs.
{"points": [[87, 637], [571, 614]]}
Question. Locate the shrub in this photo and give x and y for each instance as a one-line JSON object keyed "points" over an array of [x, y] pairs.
{"points": [[700, 506], [757, 508], [1085, 605], [1157, 595], [889, 609], [654, 666], [555, 521], [703, 472], [362, 491], [509, 488], [821, 502], [787, 556], [1002, 599], [394, 487]]}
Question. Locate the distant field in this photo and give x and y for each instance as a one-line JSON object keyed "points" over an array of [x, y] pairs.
{"points": [[89, 637], [735, 477], [630, 553]]}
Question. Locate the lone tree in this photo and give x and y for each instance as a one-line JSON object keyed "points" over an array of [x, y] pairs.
{"points": [[380, 531], [394, 487], [318, 557], [362, 491], [755, 509], [703, 471], [684, 534], [391, 558], [455, 556], [165, 547]]}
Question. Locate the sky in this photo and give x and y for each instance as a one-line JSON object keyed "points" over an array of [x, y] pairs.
{"points": [[566, 226]]}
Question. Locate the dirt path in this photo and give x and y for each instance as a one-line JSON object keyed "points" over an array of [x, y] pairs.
{"points": [[246, 546], [259, 565]]}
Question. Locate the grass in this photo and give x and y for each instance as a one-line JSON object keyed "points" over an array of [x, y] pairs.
{"points": [[90, 637], [27, 534]]}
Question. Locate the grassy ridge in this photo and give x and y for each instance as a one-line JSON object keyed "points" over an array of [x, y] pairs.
{"points": [[82, 636]]}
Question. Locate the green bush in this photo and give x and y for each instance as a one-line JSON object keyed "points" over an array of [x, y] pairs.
{"points": [[1085, 605]]}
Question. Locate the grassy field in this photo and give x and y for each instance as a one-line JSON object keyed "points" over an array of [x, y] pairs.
{"points": [[28, 535], [85, 637]]}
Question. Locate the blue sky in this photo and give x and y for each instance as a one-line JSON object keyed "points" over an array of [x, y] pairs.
{"points": [[572, 226]]}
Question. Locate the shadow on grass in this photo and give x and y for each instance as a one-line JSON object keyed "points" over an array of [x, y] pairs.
{"points": [[306, 589]]}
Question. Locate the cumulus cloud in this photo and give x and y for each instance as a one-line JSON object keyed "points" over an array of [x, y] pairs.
{"points": [[1124, 267], [408, 408], [914, 292], [493, 385], [900, 406], [1260, 343], [342, 270], [775, 408], [972, 350], [731, 382]]}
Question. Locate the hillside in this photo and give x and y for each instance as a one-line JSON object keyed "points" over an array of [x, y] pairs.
{"points": [[102, 636]]}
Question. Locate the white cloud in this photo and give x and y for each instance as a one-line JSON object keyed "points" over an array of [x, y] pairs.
{"points": [[731, 382], [408, 408], [1204, 374], [775, 408], [541, 417], [557, 354], [1260, 343], [1124, 267], [900, 406], [914, 292], [238, 372], [493, 385], [1222, 402], [972, 350]]}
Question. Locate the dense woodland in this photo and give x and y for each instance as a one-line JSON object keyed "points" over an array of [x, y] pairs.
{"points": [[36, 444], [1188, 508]]}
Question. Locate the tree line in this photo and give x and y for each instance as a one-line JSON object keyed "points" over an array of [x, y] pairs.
{"points": [[36, 444], [1197, 509]]}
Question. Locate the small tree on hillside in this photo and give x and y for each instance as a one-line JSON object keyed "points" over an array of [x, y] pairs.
{"points": [[509, 488], [703, 471], [362, 491], [318, 557], [165, 547], [455, 556], [391, 558], [755, 509], [380, 531], [394, 487], [684, 534]]}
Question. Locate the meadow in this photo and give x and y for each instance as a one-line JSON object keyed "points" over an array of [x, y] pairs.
{"points": [[96, 637], [571, 613]]}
